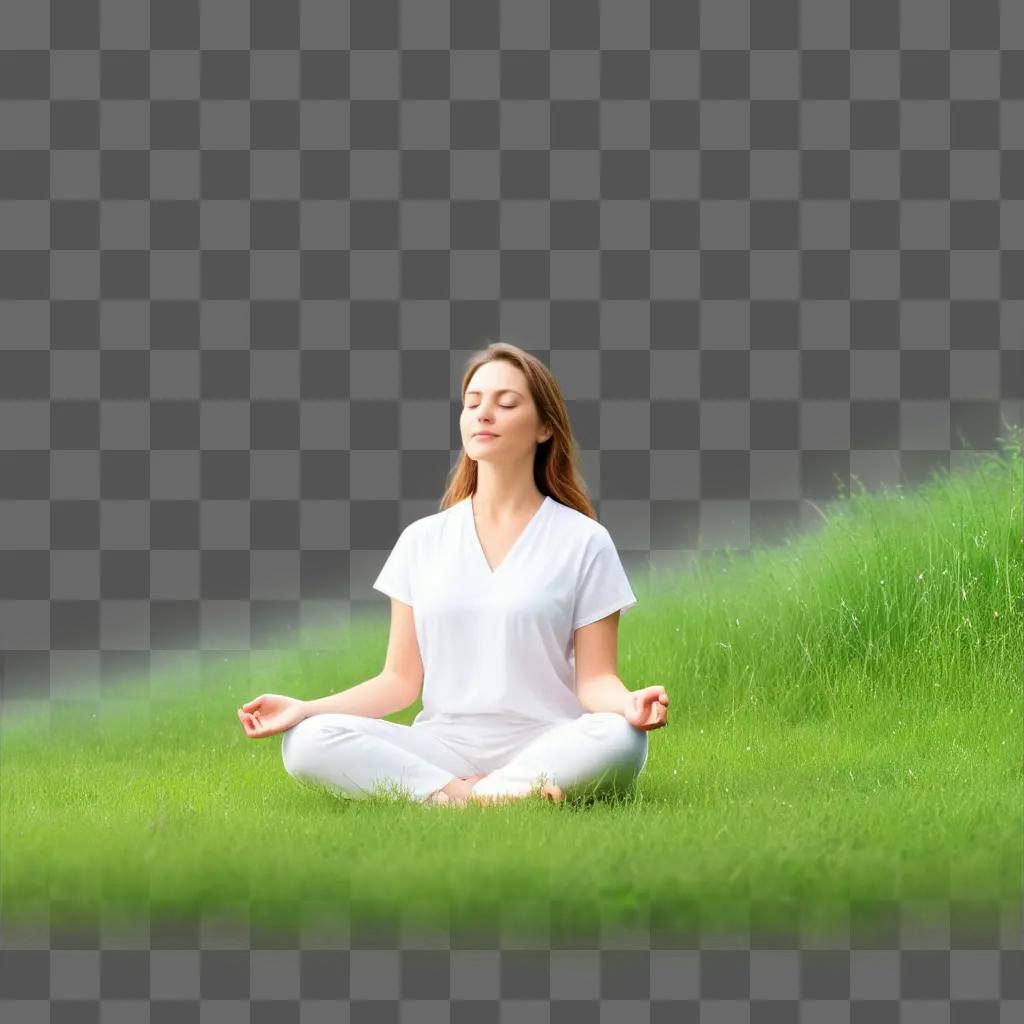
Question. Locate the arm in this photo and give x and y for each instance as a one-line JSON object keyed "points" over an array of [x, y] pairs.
{"points": [[382, 695], [605, 693], [397, 686], [598, 687]]}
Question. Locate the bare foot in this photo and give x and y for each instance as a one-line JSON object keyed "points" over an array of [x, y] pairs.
{"points": [[546, 792], [552, 792], [455, 793]]}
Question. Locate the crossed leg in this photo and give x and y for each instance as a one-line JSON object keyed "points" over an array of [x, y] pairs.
{"points": [[355, 756], [352, 755], [598, 752]]}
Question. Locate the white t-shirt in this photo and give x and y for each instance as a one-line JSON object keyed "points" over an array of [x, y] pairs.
{"points": [[498, 646]]}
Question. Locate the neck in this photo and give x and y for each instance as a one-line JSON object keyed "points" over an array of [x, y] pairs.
{"points": [[497, 498]]}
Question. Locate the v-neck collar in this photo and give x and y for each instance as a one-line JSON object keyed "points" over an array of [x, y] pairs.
{"points": [[474, 537]]}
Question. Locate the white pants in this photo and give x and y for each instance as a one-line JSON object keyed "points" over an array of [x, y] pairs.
{"points": [[355, 756]]}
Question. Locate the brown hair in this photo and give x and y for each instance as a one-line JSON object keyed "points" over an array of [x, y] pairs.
{"points": [[555, 469]]}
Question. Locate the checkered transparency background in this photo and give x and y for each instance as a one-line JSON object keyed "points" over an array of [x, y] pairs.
{"points": [[245, 252]]}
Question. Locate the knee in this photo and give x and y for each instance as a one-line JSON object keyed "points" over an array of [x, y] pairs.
{"points": [[300, 747], [625, 739]]}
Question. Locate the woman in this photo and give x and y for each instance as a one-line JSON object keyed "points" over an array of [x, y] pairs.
{"points": [[510, 598]]}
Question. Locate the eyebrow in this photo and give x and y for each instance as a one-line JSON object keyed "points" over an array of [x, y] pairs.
{"points": [[498, 391]]}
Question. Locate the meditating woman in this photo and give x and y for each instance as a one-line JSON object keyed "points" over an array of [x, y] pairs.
{"points": [[504, 616]]}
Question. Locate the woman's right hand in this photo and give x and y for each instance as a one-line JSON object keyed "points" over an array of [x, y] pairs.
{"points": [[271, 713]]}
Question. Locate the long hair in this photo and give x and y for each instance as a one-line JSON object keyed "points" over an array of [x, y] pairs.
{"points": [[555, 469]]}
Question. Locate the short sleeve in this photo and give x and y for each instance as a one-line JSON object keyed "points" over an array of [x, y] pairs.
{"points": [[395, 578], [603, 586]]}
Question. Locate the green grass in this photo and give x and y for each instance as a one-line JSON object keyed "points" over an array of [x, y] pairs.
{"points": [[845, 725]]}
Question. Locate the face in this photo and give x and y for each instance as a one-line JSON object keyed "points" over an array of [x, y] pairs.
{"points": [[498, 401]]}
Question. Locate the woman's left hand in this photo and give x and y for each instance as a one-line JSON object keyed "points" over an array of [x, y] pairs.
{"points": [[648, 708]]}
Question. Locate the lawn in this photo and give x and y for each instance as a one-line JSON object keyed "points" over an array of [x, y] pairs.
{"points": [[845, 725]]}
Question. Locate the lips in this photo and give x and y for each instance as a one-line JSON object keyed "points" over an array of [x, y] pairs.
{"points": [[484, 433]]}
